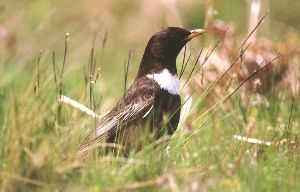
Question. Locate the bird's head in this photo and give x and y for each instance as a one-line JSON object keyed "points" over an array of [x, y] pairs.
{"points": [[164, 46]]}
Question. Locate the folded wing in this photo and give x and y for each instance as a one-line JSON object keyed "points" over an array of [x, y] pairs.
{"points": [[136, 103]]}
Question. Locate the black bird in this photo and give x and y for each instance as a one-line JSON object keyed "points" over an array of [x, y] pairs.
{"points": [[153, 97]]}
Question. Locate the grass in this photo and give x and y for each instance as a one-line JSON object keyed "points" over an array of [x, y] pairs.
{"points": [[38, 136]]}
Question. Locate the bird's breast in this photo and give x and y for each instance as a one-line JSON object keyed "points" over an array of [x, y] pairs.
{"points": [[166, 81]]}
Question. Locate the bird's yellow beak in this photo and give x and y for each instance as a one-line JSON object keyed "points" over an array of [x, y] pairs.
{"points": [[194, 33]]}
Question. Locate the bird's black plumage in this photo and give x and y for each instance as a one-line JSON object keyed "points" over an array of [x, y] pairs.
{"points": [[153, 95]]}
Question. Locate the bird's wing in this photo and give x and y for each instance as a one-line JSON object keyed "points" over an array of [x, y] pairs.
{"points": [[136, 104]]}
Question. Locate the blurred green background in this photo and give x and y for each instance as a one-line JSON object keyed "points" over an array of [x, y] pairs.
{"points": [[36, 149], [35, 25]]}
